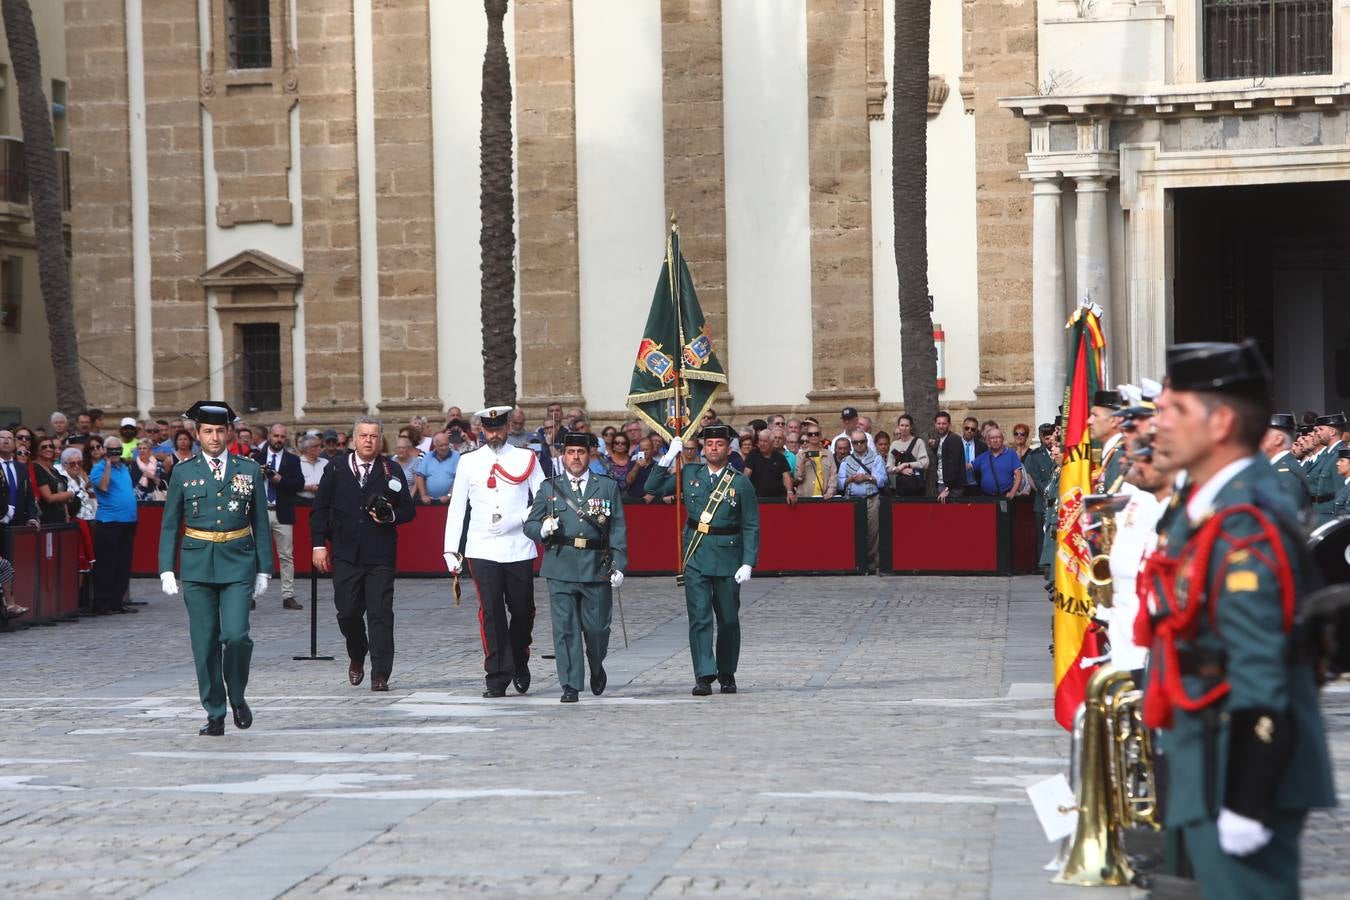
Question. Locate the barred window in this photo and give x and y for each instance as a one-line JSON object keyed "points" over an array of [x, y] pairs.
{"points": [[249, 25], [1266, 38], [261, 366]]}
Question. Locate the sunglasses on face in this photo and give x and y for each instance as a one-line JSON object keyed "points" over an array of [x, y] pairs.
{"points": [[969, 428], [860, 443], [812, 433], [1019, 434]]}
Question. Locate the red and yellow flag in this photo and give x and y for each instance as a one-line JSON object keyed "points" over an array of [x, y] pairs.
{"points": [[1075, 639]]}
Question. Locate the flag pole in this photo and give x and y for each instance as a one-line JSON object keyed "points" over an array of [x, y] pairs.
{"points": [[672, 273]]}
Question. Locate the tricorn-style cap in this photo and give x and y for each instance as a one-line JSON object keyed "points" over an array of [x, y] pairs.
{"points": [[493, 416], [211, 412], [579, 439], [1109, 399], [725, 432], [1304, 430], [1343, 453], [1223, 368], [1332, 419], [1283, 421]]}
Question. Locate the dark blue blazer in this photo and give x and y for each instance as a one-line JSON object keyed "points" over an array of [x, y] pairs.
{"points": [[336, 515], [292, 482]]}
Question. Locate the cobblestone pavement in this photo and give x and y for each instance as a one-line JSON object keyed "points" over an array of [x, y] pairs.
{"points": [[879, 747]]}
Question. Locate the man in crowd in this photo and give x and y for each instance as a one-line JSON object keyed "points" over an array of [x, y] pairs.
{"points": [[849, 417], [633, 429], [115, 536], [998, 469], [436, 473], [492, 489], [361, 500], [18, 506], [720, 548], [60, 428], [516, 435], [779, 434], [768, 470], [1104, 426], [1242, 732], [330, 444], [949, 462], [578, 516], [219, 501], [1277, 446], [285, 479], [1039, 466], [83, 424], [127, 430], [863, 474], [971, 446]]}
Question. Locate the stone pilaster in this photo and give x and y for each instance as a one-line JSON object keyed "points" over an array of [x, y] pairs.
{"points": [[546, 144], [404, 205], [841, 202], [691, 87], [100, 175], [326, 73]]}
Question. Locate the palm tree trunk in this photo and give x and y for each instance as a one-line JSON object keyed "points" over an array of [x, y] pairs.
{"points": [[44, 189], [497, 242], [909, 155]]}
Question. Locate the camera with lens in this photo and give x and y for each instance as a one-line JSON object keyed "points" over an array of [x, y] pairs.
{"points": [[381, 507], [269, 473]]}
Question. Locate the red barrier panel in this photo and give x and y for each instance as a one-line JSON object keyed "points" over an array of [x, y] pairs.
{"points": [[926, 537], [46, 572]]}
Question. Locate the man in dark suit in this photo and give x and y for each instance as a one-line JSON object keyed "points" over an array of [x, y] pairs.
{"points": [[17, 504], [949, 467], [281, 468], [971, 447], [362, 496]]}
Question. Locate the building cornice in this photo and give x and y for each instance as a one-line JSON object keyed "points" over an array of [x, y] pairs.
{"points": [[1182, 101]]}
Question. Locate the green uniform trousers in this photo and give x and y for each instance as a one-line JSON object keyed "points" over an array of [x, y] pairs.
{"points": [[218, 615], [1270, 873], [581, 614], [709, 597]]}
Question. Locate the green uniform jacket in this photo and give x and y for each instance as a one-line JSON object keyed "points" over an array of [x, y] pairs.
{"points": [[1293, 482], [197, 500], [1251, 640], [716, 554], [1324, 482], [602, 508], [1340, 507], [1112, 466], [1039, 467]]}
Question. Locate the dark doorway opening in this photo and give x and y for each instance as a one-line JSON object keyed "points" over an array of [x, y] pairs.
{"points": [[1270, 262]]}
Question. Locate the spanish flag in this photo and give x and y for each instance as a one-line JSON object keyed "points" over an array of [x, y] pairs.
{"points": [[1076, 638]]}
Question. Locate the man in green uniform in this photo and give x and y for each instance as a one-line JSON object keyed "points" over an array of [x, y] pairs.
{"points": [[1278, 445], [226, 560], [578, 516], [1242, 732], [1322, 480], [1040, 466], [1105, 428], [720, 548]]}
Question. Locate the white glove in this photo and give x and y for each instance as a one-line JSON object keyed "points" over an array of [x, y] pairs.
{"points": [[616, 579], [742, 575], [671, 452], [549, 526], [1239, 835], [453, 561], [260, 585], [167, 583]]}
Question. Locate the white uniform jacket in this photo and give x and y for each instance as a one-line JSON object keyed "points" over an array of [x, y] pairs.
{"points": [[1136, 534], [496, 487]]}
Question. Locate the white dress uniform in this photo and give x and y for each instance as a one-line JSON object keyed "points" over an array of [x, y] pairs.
{"points": [[1136, 533], [495, 487]]}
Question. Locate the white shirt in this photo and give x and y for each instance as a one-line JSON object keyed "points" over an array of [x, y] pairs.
{"points": [[1201, 503], [5, 472], [424, 445], [1136, 534], [1278, 456], [224, 463], [497, 513], [312, 472], [577, 484]]}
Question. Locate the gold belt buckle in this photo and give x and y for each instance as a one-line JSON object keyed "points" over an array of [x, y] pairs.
{"points": [[579, 543], [703, 527]]}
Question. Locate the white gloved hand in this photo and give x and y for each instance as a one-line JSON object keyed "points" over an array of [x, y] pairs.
{"points": [[742, 575], [616, 579], [453, 561], [1239, 835], [260, 585], [671, 452], [549, 526], [167, 583]]}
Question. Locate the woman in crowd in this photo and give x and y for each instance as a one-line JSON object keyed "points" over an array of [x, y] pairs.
{"points": [[93, 452], [81, 509], [53, 491], [907, 462], [882, 441], [815, 474], [23, 439], [312, 463], [182, 446], [746, 443], [148, 472], [607, 436], [621, 460], [407, 457], [1021, 444]]}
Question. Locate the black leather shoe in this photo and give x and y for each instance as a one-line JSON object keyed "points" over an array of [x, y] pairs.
{"points": [[213, 727], [569, 695], [702, 686], [598, 681], [521, 679], [243, 716], [291, 603], [379, 684], [356, 673], [728, 683], [495, 692]]}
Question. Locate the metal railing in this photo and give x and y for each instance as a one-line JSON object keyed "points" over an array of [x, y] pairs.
{"points": [[1266, 38], [13, 171]]}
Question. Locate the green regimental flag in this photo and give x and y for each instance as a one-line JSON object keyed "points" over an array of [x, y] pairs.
{"points": [[676, 348]]}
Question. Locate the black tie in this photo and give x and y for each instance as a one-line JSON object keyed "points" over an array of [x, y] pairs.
{"points": [[365, 473], [576, 485]]}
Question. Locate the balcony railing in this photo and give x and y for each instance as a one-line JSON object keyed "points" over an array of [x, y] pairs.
{"points": [[13, 172], [1266, 38]]}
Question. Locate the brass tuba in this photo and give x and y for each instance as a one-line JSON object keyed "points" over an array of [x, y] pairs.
{"points": [[1102, 508], [1116, 781]]}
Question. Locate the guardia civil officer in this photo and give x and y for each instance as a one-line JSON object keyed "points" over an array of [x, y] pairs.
{"points": [[1322, 479], [489, 503], [720, 548], [1241, 728], [219, 500], [1277, 446], [578, 516]]}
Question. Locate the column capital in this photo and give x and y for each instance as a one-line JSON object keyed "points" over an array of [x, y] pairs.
{"points": [[1043, 182], [1094, 182]]}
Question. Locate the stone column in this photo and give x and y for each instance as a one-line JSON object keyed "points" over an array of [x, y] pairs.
{"points": [[1047, 294], [1092, 243]]}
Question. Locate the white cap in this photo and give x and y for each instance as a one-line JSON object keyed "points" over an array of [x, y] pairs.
{"points": [[128, 422], [493, 416]]}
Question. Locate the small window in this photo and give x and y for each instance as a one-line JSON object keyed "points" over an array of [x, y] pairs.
{"points": [[11, 294], [261, 366], [250, 33], [59, 130], [1267, 38]]}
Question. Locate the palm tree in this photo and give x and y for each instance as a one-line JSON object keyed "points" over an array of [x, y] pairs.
{"points": [[497, 241], [909, 167], [44, 189]]}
